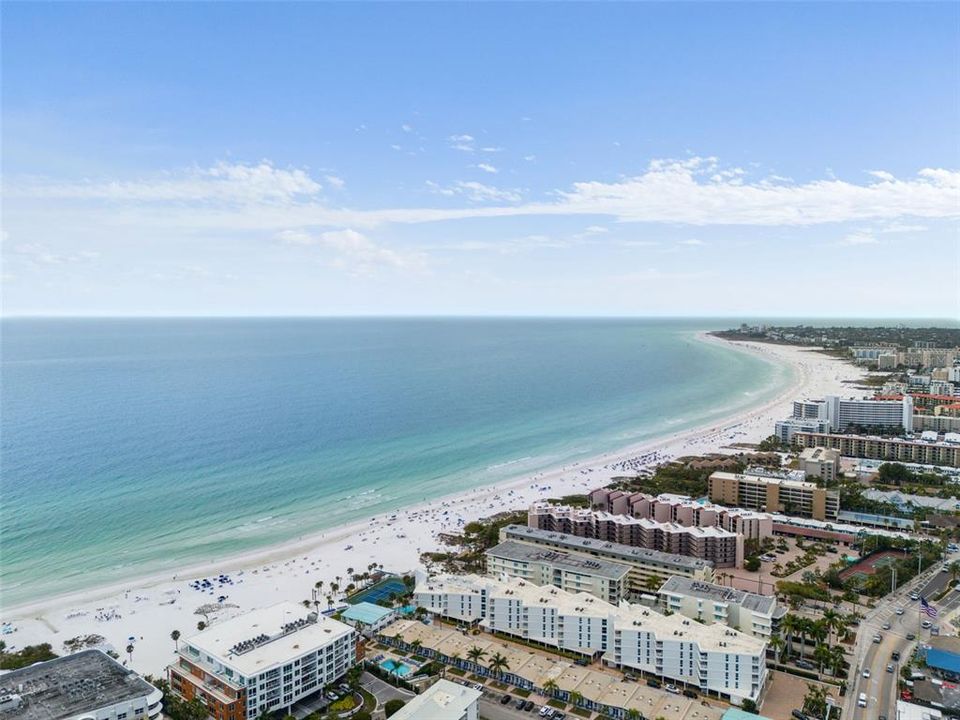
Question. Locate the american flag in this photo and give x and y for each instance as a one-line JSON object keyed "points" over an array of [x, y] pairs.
{"points": [[926, 607]]}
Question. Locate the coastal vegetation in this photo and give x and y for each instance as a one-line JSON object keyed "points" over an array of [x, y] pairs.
{"points": [[25, 656], [477, 537]]}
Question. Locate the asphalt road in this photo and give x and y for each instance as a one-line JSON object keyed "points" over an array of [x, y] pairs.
{"points": [[881, 686], [491, 709]]}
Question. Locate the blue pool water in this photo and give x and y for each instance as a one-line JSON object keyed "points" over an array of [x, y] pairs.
{"points": [[397, 668]]}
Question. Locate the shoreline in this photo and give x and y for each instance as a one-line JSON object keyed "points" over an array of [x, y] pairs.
{"points": [[257, 575]]}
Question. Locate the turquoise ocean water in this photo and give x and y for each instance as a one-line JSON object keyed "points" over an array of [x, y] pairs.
{"points": [[135, 446]]}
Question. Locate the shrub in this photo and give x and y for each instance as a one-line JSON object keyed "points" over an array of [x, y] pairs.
{"points": [[392, 706]]}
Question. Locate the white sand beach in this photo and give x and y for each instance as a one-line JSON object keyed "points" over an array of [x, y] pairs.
{"points": [[144, 612]]}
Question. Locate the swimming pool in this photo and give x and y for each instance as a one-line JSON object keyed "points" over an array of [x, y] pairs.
{"points": [[397, 668]]}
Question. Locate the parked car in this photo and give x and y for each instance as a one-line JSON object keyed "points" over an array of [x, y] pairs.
{"points": [[866, 673], [878, 638], [528, 705], [804, 664], [546, 711], [690, 693], [911, 636], [672, 689], [798, 715], [889, 667], [520, 703], [899, 611], [926, 624], [478, 686], [653, 683], [914, 596], [895, 655], [862, 700], [630, 677], [505, 699]]}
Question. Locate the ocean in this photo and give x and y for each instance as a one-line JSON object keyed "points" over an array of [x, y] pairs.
{"points": [[131, 446]]}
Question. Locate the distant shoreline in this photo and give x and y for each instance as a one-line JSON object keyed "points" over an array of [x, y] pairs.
{"points": [[152, 606]]}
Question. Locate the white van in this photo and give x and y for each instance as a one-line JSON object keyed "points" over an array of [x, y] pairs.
{"points": [[862, 700]]}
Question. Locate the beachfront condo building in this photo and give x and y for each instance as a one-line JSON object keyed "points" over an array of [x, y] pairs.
{"points": [[757, 615], [605, 579], [924, 452], [774, 495], [647, 568], [668, 508], [713, 658], [820, 462], [721, 547], [786, 429], [87, 685], [262, 661]]}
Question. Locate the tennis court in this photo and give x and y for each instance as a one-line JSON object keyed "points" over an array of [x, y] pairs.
{"points": [[381, 590]]}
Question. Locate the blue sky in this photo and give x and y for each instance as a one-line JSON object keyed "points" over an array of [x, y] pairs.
{"points": [[568, 159]]}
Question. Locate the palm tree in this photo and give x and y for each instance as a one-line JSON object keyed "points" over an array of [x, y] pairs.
{"points": [[550, 687], [777, 645], [175, 636], [498, 663], [415, 647], [634, 714], [822, 656], [575, 698], [789, 627], [833, 622], [201, 625], [837, 660], [476, 653]]}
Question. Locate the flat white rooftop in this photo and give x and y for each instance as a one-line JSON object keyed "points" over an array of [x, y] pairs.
{"points": [[444, 700], [262, 639], [709, 637]]}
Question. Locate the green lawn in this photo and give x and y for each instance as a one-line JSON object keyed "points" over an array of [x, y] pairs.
{"points": [[559, 704]]}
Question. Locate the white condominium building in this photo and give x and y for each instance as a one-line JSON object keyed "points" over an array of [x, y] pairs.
{"points": [[648, 568], [841, 413], [605, 579], [757, 615], [263, 660], [712, 657], [721, 547]]}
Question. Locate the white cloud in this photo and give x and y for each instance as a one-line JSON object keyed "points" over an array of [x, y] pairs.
{"points": [[673, 191], [529, 158], [477, 192], [693, 242], [239, 197], [487, 168], [464, 143], [224, 183], [334, 181], [406, 128], [595, 230], [860, 237], [491, 149], [40, 254], [882, 175], [354, 251], [898, 227]]}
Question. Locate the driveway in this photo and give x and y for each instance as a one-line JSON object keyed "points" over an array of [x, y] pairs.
{"points": [[383, 691]]}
